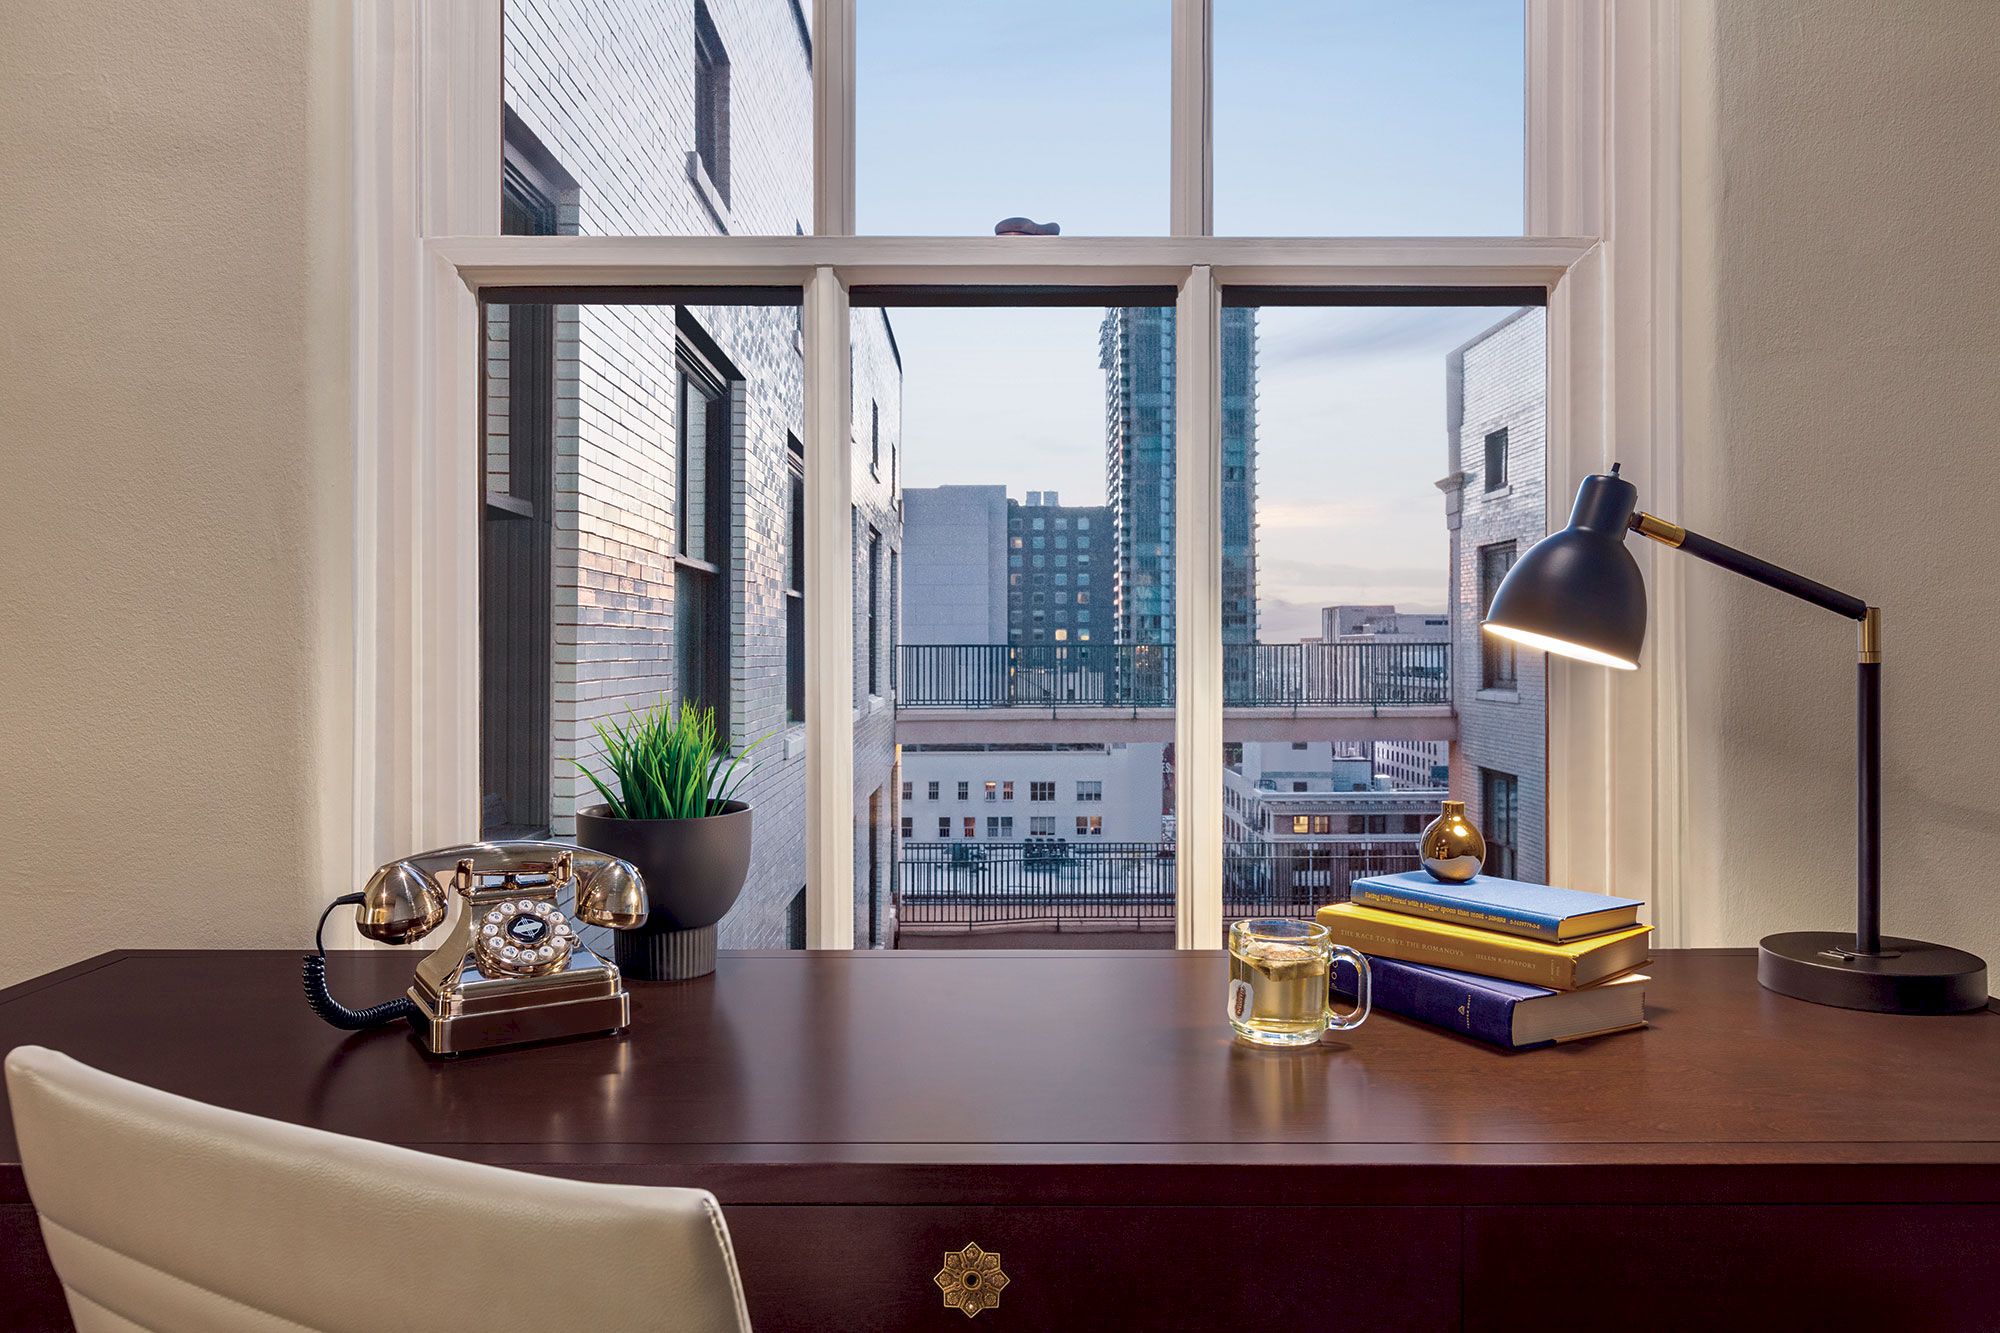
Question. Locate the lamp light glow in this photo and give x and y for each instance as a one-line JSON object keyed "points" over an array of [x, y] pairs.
{"points": [[1548, 643]]}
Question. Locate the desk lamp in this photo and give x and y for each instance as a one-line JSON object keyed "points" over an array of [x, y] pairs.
{"points": [[1577, 593]]}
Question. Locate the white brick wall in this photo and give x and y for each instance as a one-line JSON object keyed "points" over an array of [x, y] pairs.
{"points": [[1499, 379], [607, 86]]}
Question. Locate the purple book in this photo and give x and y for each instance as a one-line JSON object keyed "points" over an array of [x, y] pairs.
{"points": [[1501, 1013]]}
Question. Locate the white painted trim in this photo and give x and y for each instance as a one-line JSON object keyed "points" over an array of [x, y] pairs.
{"points": [[829, 617], [1191, 206], [426, 160], [1604, 159], [637, 261], [1198, 613], [833, 117]]}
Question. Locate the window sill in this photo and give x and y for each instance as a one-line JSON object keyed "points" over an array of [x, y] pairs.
{"points": [[1498, 492], [795, 741], [1499, 696], [876, 703], [711, 197]]}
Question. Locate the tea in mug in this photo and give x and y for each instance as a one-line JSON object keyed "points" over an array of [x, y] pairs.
{"points": [[1277, 990]]}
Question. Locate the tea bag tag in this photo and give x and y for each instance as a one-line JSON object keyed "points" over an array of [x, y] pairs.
{"points": [[1239, 1001]]}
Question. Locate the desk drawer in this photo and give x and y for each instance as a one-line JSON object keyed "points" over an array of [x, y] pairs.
{"points": [[874, 1267]]}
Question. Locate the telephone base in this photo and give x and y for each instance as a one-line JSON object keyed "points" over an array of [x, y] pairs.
{"points": [[537, 1020]]}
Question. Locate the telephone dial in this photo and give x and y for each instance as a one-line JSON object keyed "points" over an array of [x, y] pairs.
{"points": [[512, 968]]}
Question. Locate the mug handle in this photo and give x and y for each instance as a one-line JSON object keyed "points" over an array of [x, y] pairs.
{"points": [[1353, 1017]]}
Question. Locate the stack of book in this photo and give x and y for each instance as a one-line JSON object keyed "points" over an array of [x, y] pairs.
{"points": [[1517, 965]]}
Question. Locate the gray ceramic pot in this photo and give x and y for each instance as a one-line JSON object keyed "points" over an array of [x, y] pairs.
{"points": [[694, 870]]}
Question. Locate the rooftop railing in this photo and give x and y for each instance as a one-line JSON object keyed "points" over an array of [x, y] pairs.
{"points": [[1140, 675], [1054, 880]]}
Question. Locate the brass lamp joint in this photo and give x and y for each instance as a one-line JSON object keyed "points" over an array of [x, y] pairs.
{"points": [[1649, 525], [1871, 635]]}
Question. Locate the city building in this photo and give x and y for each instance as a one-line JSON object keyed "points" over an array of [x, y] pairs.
{"points": [[644, 477], [1136, 352], [1405, 765], [1307, 818], [955, 549], [1059, 571], [1011, 793], [1496, 506]]}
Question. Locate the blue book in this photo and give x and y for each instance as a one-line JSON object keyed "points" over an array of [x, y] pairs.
{"points": [[1487, 902], [1500, 1013]]}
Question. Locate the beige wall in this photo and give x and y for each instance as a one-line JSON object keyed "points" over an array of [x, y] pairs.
{"points": [[1843, 376], [172, 456]]}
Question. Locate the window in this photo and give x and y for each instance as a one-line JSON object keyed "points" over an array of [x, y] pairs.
{"points": [[702, 501], [895, 618], [909, 827], [874, 643], [999, 826], [1496, 459], [795, 582], [971, 827], [875, 437], [1090, 826], [1090, 791], [1007, 791], [944, 826], [1499, 801], [1298, 786], [1041, 791], [1041, 826], [1301, 824], [965, 791], [992, 790], [1496, 655], [909, 790], [711, 102], [930, 791]]}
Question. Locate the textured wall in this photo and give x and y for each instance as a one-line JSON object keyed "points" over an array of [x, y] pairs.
{"points": [[1843, 311], [1500, 382], [173, 435]]}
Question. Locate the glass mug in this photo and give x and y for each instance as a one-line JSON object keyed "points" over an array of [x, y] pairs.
{"points": [[1280, 982]]}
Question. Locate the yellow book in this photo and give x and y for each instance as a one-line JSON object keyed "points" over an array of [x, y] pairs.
{"points": [[1416, 939]]}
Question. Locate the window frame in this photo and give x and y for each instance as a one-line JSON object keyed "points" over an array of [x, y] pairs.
{"points": [[1614, 372]]}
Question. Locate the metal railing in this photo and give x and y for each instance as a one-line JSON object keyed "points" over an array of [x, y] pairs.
{"points": [[1045, 880], [1141, 675]]}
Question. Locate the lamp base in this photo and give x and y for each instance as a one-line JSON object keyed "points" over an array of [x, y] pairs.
{"points": [[1907, 977]]}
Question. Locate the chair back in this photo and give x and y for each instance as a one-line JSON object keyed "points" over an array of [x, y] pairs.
{"points": [[168, 1214]]}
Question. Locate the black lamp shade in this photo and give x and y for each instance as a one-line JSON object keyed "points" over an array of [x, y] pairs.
{"points": [[1578, 593]]}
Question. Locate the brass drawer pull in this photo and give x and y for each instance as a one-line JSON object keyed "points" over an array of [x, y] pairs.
{"points": [[971, 1280]]}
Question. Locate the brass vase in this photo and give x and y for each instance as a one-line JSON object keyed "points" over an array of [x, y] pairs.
{"points": [[1451, 848]]}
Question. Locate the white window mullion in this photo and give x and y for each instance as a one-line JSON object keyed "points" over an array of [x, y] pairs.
{"points": [[833, 117], [829, 618], [1191, 194], [1198, 612]]}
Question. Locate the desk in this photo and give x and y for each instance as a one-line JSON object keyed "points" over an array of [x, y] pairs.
{"points": [[1749, 1161]]}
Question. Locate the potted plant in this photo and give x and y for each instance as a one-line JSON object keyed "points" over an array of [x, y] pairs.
{"points": [[670, 808]]}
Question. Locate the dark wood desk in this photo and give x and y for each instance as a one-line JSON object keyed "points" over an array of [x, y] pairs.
{"points": [[1749, 1161]]}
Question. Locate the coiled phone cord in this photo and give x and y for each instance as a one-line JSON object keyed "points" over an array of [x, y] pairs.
{"points": [[321, 999]]}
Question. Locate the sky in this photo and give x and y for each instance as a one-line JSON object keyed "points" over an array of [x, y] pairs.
{"points": [[1332, 117]]}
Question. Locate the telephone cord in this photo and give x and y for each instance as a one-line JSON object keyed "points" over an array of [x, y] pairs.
{"points": [[321, 999]]}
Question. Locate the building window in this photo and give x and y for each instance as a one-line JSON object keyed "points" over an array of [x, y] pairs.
{"points": [[1298, 786], [1006, 791], [701, 506], [1090, 791], [971, 826], [711, 101], [1499, 802], [795, 583], [965, 791], [1090, 826], [875, 438], [874, 647], [1496, 655], [1302, 824], [909, 790], [930, 791], [909, 827], [1000, 826], [895, 615], [1041, 791], [1496, 459], [944, 826], [1041, 826], [992, 790]]}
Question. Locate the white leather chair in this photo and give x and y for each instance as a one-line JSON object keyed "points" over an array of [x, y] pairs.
{"points": [[167, 1214]]}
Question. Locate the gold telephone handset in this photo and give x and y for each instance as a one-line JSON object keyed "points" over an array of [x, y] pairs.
{"points": [[513, 967]]}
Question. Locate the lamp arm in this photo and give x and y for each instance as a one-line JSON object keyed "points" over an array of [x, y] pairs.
{"points": [[1749, 566], [1867, 704]]}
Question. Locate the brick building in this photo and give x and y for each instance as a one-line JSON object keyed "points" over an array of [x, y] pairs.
{"points": [[644, 465], [1496, 506]]}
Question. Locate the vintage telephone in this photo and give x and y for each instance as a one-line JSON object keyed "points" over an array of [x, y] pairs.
{"points": [[513, 968]]}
